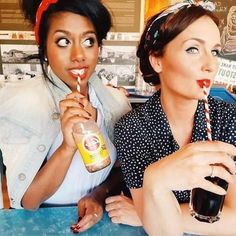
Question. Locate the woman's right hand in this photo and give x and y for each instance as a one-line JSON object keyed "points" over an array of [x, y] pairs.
{"points": [[74, 108], [188, 167]]}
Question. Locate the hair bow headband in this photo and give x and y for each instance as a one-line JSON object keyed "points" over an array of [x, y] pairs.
{"points": [[173, 9], [41, 9]]}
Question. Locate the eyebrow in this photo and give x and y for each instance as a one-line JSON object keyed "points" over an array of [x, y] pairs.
{"points": [[68, 32], [203, 42]]}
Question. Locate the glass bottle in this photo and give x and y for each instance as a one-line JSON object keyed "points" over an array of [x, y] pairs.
{"points": [[91, 145]]}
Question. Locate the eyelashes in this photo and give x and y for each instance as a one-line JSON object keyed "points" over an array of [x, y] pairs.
{"points": [[62, 42], [192, 50], [195, 50], [87, 43], [216, 52]]}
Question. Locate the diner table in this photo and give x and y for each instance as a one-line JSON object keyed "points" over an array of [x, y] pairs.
{"points": [[57, 221]]}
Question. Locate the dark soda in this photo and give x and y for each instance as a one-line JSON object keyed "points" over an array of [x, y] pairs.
{"points": [[206, 206]]}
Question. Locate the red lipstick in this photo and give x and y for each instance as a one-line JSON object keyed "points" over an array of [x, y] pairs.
{"points": [[204, 82]]}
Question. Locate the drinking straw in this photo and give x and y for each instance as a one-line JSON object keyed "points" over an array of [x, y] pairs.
{"points": [[207, 113], [78, 85]]}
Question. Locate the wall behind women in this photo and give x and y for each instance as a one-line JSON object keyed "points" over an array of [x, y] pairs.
{"points": [[17, 39], [17, 42], [226, 11]]}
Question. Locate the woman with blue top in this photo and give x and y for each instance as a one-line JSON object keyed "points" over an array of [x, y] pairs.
{"points": [[43, 166]]}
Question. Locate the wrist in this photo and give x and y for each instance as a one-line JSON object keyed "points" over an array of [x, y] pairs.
{"points": [[99, 194], [67, 150]]}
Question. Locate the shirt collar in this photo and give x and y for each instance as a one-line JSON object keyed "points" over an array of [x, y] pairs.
{"points": [[162, 129]]}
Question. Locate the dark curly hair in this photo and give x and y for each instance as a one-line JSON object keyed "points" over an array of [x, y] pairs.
{"points": [[94, 10], [159, 32]]}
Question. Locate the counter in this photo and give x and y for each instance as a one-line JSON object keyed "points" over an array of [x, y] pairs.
{"points": [[57, 221]]}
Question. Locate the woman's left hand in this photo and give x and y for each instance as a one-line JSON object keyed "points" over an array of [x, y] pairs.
{"points": [[120, 88], [90, 212], [121, 210]]}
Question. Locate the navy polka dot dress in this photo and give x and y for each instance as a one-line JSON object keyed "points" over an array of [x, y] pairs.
{"points": [[143, 136]]}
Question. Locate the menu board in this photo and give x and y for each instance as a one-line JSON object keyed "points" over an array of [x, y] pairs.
{"points": [[13, 26], [127, 19], [125, 14], [11, 17]]}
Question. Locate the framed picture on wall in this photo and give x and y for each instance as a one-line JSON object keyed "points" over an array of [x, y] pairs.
{"points": [[117, 65], [20, 60]]}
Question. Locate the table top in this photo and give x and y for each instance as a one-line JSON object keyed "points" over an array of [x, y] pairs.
{"points": [[57, 221]]}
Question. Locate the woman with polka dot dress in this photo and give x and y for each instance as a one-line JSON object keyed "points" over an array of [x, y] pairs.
{"points": [[163, 144]]}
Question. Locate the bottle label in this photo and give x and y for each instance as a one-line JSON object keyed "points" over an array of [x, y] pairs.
{"points": [[92, 148]]}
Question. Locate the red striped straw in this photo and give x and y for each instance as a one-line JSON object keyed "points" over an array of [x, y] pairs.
{"points": [[207, 113], [78, 85]]}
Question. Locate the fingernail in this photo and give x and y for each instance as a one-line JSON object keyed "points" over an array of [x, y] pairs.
{"points": [[75, 231], [73, 226], [81, 104], [77, 228]]}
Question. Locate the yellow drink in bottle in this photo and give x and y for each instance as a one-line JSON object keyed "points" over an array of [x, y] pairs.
{"points": [[91, 145]]}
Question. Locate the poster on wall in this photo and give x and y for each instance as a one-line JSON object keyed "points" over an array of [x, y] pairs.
{"points": [[226, 74], [127, 18], [20, 60], [15, 53], [228, 35], [21, 71]]}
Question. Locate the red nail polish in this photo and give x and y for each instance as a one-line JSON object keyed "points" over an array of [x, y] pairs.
{"points": [[81, 104], [75, 229], [72, 227]]}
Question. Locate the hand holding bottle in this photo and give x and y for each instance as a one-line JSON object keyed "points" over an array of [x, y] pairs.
{"points": [[90, 143], [74, 108]]}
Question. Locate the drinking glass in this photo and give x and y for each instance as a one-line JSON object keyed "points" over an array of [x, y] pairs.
{"points": [[206, 206]]}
